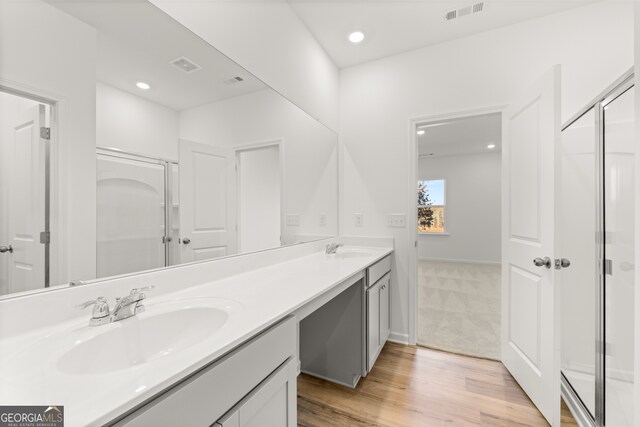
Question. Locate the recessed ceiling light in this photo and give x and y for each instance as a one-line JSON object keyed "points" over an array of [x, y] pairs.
{"points": [[491, 146], [356, 37], [143, 86], [420, 132]]}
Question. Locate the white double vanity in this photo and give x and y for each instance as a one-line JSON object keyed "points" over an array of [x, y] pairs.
{"points": [[219, 342], [151, 177]]}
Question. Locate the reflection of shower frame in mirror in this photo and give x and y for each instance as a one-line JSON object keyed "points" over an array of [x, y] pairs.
{"points": [[170, 240], [42, 113]]}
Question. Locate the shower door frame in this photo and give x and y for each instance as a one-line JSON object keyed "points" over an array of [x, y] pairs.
{"points": [[167, 165], [573, 400]]}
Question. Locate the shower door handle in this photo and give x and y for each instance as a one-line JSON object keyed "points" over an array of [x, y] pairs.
{"points": [[4, 249], [540, 262]]}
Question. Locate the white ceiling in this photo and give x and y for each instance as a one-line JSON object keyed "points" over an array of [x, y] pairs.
{"points": [[460, 136], [137, 41], [392, 27]]}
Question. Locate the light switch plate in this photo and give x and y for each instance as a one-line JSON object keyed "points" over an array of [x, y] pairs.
{"points": [[358, 219], [396, 220], [293, 220], [323, 220]]}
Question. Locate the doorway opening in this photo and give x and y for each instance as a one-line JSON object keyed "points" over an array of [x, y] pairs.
{"points": [[25, 235], [458, 234], [259, 178]]}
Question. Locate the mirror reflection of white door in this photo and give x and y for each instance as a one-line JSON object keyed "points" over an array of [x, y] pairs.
{"points": [[207, 201], [26, 217], [530, 300]]}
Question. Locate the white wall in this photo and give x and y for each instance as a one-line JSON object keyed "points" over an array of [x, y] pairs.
{"points": [[310, 151], [472, 212], [270, 41], [134, 124], [594, 44], [47, 52]]}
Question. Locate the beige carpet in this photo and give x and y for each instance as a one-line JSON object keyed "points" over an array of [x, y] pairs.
{"points": [[459, 307]]}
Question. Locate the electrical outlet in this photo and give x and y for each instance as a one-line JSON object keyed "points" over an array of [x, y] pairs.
{"points": [[358, 219], [396, 220], [293, 220], [323, 220]]}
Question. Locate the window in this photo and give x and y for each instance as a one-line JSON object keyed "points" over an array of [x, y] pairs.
{"points": [[431, 203]]}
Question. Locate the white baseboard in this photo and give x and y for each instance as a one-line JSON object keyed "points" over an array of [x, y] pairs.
{"points": [[399, 338]]}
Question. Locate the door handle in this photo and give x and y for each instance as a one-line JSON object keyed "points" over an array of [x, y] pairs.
{"points": [[4, 249], [186, 241], [562, 263], [539, 262]]}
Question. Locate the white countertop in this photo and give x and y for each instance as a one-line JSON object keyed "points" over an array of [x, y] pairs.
{"points": [[28, 362]]}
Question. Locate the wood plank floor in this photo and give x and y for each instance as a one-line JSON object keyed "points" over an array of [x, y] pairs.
{"points": [[413, 386]]}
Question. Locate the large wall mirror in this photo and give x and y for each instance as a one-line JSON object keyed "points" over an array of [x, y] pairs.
{"points": [[127, 143]]}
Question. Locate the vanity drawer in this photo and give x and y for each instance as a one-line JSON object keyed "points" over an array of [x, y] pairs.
{"points": [[203, 398], [377, 270]]}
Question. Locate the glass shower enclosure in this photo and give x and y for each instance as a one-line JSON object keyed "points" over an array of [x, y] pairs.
{"points": [[137, 213], [596, 230]]}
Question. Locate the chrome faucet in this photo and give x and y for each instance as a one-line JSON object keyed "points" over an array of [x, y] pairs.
{"points": [[100, 314], [332, 248], [130, 305], [125, 307]]}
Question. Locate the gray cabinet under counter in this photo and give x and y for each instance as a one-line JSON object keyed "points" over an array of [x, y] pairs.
{"points": [[332, 339]]}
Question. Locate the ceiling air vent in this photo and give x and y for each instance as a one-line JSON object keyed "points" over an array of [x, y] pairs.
{"points": [[186, 65], [465, 11], [478, 7], [234, 80]]}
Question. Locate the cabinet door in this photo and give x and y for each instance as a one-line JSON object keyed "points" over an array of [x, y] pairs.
{"points": [[272, 403], [373, 323], [384, 310]]}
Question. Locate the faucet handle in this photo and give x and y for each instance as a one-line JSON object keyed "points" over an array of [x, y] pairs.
{"points": [[139, 290], [100, 309]]}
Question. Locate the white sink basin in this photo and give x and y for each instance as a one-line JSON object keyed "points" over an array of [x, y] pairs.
{"points": [[161, 330]]}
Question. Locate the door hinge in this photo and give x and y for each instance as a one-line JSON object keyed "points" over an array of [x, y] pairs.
{"points": [[606, 266], [45, 133], [45, 237]]}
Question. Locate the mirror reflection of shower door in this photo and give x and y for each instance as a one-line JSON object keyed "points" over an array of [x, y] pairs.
{"points": [[174, 215], [577, 227], [619, 159], [130, 215]]}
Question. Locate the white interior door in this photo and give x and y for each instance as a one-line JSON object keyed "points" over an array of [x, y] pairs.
{"points": [[26, 202], [530, 301], [207, 201]]}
